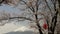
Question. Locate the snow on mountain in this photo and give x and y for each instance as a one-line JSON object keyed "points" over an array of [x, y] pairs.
{"points": [[23, 28]]}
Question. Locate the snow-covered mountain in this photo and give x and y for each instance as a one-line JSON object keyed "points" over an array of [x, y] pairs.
{"points": [[23, 28]]}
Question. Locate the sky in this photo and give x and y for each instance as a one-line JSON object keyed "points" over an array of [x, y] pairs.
{"points": [[11, 26], [8, 8]]}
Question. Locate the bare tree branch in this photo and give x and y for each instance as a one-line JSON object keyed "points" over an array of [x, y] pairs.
{"points": [[1, 1], [18, 18], [31, 8]]}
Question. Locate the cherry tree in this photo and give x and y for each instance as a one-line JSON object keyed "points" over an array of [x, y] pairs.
{"points": [[36, 10]]}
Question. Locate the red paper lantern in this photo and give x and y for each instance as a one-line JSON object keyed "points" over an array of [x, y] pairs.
{"points": [[45, 26]]}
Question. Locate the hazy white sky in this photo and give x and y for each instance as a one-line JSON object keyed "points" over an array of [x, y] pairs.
{"points": [[9, 9], [11, 26]]}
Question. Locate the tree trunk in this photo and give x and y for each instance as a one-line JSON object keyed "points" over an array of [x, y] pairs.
{"points": [[39, 28], [59, 3], [38, 25]]}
